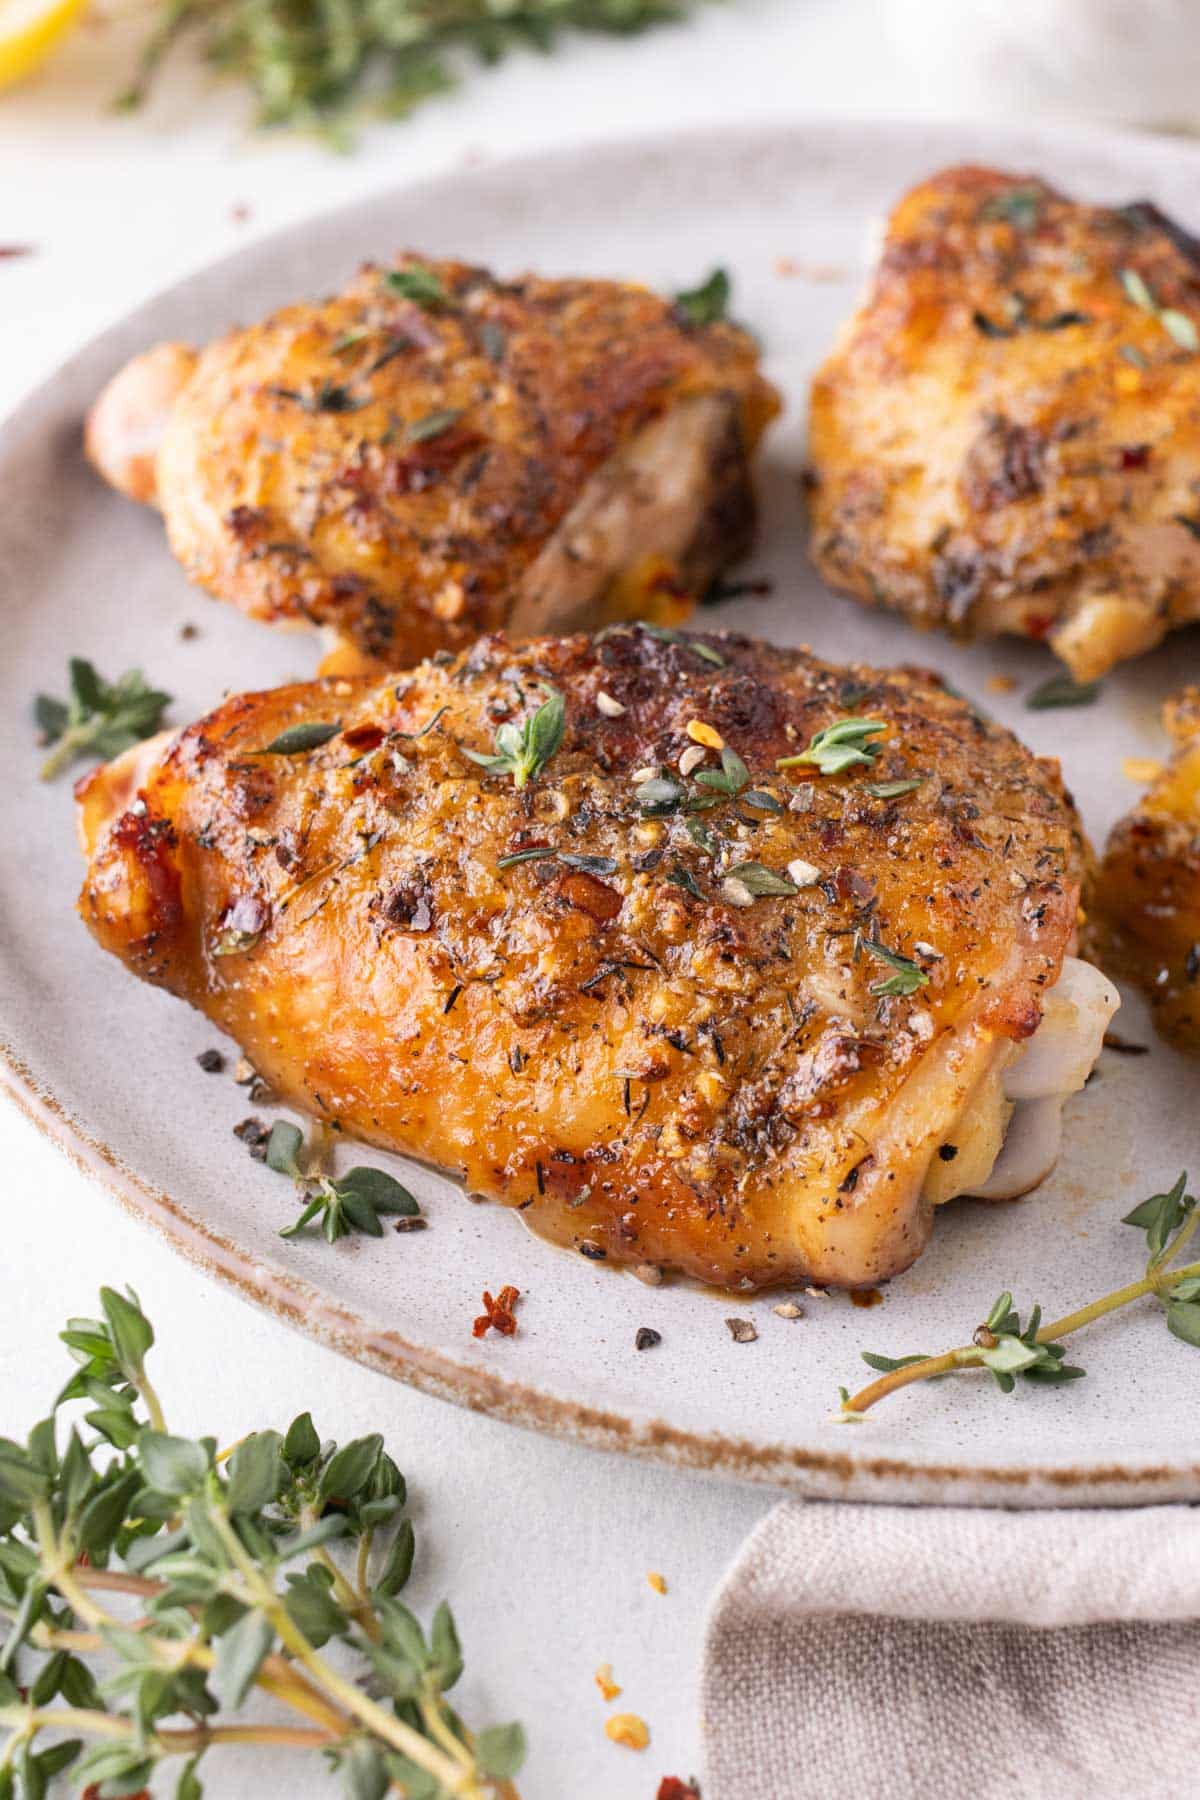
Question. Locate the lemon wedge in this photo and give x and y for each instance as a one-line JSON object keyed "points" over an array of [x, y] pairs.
{"points": [[29, 29]]}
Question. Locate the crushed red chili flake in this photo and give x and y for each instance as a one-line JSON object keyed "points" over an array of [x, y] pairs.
{"points": [[671, 1788], [92, 1792], [497, 1314], [363, 737]]}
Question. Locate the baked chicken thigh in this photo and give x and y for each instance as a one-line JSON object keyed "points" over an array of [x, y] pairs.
{"points": [[434, 452], [1006, 436], [552, 917], [1148, 891]]}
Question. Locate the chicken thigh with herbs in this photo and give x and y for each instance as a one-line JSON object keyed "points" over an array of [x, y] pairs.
{"points": [[1148, 890], [1006, 436], [433, 453], [704, 954]]}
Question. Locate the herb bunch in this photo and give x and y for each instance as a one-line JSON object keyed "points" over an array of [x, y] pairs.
{"points": [[1034, 1351], [220, 1563], [99, 718], [314, 67]]}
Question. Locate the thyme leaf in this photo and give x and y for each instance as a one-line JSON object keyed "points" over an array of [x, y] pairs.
{"points": [[760, 882], [1176, 324], [309, 735], [419, 284], [434, 424], [1062, 690]]}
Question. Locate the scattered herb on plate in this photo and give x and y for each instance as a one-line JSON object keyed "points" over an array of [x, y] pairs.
{"points": [[1061, 690], [99, 719], [150, 1584], [1034, 1351], [353, 1202]]}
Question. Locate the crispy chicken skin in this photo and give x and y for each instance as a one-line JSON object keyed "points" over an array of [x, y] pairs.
{"points": [[411, 471], [1006, 436], [659, 1067], [1148, 892]]}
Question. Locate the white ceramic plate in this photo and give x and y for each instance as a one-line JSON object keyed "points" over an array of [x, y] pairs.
{"points": [[109, 1065]]}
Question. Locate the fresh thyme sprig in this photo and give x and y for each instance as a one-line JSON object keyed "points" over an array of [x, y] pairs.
{"points": [[523, 751], [310, 66], [100, 718], [839, 746], [1034, 1351], [354, 1202], [160, 1582]]}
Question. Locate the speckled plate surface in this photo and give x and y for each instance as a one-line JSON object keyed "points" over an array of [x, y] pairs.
{"points": [[108, 1066]]}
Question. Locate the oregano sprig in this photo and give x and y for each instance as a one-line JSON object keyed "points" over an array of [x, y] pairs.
{"points": [[151, 1584], [1034, 1351]]}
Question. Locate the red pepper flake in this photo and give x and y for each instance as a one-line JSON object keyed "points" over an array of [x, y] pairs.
{"points": [[497, 1315], [92, 1792], [671, 1788], [1134, 456], [364, 737]]}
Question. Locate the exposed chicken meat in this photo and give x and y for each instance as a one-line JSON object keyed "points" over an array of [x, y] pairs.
{"points": [[1148, 891], [1006, 436], [683, 1006], [434, 452]]}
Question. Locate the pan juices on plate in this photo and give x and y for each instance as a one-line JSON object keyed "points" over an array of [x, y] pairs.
{"points": [[705, 954], [434, 452]]}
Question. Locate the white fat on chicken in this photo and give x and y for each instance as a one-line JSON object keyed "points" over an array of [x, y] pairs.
{"points": [[1009, 1133]]}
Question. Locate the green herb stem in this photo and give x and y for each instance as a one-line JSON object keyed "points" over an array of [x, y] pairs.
{"points": [[971, 1355], [457, 1776]]}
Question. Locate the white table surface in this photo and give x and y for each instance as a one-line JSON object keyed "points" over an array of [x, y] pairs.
{"points": [[543, 1547]]}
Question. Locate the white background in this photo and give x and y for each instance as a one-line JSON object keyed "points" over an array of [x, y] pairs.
{"points": [[543, 1548]]}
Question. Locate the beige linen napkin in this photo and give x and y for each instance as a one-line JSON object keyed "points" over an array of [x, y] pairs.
{"points": [[950, 1653]]}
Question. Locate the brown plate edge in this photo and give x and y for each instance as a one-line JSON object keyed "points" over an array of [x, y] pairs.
{"points": [[815, 1474]]}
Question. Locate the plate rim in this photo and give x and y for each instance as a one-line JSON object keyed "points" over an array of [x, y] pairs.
{"points": [[817, 1473]]}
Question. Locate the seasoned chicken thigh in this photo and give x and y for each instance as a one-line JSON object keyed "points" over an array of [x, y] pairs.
{"points": [[553, 917], [434, 452], [1006, 436], [1148, 891]]}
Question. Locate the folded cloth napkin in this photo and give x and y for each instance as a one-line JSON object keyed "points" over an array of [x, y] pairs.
{"points": [[945, 1652]]}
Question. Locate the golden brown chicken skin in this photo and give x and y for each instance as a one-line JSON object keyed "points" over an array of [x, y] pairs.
{"points": [[1148, 892], [660, 1019], [1006, 436], [434, 452]]}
